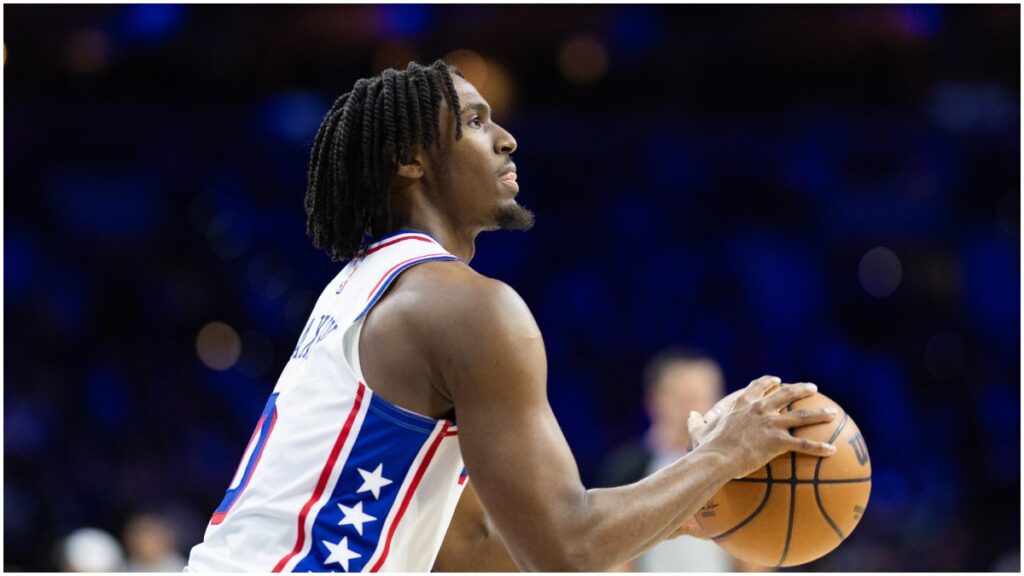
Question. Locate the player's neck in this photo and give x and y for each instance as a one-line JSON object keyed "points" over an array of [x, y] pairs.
{"points": [[415, 211], [461, 243]]}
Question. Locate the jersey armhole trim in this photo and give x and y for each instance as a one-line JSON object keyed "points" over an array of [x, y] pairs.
{"points": [[403, 416], [390, 275]]}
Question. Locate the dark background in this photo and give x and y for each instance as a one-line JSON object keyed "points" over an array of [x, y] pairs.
{"points": [[828, 194]]}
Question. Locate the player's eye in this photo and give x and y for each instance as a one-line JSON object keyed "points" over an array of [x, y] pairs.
{"points": [[475, 122]]}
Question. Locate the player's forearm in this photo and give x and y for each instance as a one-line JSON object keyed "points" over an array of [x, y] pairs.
{"points": [[621, 523]]}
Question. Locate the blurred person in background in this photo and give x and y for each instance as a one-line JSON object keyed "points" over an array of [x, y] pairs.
{"points": [[90, 550], [151, 545], [676, 381]]}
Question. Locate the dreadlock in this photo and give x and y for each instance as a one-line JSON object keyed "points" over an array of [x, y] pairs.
{"points": [[359, 144]]}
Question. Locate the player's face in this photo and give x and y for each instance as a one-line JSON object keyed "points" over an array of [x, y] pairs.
{"points": [[476, 175], [685, 387]]}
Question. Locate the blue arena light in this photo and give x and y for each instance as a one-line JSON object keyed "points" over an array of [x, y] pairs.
{"points": [[107, 398], [19, 262], [402, 20], [98, 206], [920, 20], [151, 23], [637, 30], [293, 118]]}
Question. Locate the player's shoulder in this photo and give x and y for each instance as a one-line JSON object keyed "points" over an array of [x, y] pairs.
{"points": [[470, 327], [449, 295]]}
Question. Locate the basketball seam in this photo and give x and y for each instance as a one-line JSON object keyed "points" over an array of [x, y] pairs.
{"points": [[816, 481], [767, 494], [792, 497], [808, 481]]}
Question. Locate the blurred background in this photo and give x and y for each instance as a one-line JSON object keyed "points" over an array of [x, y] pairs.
{"points": [[829, 194]]}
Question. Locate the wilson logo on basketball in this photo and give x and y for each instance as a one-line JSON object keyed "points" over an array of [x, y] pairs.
{"points": [[857, 511], [859, 448]]}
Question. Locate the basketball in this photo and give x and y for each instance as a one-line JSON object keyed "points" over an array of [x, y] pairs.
{"points": [[798, 507]]}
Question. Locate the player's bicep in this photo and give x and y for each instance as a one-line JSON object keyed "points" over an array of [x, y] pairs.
{"points": [[516, 454]]}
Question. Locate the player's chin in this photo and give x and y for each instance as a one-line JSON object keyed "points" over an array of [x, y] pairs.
{"points": [[513, 216]]}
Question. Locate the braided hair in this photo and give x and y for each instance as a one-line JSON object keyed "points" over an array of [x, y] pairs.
{"points": [[359, 144]]}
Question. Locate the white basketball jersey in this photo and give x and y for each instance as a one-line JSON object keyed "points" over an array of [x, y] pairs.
{"points": [[334, 477]]}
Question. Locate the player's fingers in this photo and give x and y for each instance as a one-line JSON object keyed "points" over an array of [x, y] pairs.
{"points": [[811, 447], [786, 395], [757, 389], [722, 406], [806, 417], [695, 426], [695, 422]]}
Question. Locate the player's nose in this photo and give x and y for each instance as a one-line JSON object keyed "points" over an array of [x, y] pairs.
{"points": [[504, 143]]}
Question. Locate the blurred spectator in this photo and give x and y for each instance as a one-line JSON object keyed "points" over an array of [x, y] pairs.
{"points": [[1009, 562], [90, 550], [676, 381], [151, 545]]}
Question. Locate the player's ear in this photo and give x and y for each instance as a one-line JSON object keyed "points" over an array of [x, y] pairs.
{"points": [[412, 170]]}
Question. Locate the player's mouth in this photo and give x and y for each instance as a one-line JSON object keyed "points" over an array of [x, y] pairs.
{"points": [[509, 178]]}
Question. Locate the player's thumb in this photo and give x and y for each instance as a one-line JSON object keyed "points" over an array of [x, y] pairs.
{"points": [[693, 425]]}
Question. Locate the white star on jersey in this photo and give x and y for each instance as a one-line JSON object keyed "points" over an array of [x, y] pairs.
{"points": [[373, 481], [340, 553], [355, 516]]}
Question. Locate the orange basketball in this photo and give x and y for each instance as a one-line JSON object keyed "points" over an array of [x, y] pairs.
{"points": [[798, 507]]}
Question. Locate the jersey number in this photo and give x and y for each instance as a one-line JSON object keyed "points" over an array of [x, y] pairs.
{"points": [[250, 459]]}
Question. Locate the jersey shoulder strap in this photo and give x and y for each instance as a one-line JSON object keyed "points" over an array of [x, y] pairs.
{"points": [[364, 280]]}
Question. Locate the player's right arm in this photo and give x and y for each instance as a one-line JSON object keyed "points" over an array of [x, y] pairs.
{"points": [[489, 358]]}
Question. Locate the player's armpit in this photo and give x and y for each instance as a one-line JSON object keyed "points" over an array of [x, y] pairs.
{"points": [[471, 543]]}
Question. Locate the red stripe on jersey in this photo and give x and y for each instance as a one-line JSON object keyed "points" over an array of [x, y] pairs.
{"points": [[324, 477], [408, 495], [396, 241], [392, 269]]}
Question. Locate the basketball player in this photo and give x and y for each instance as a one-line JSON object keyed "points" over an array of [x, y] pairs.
{"points": [[416, 376]]}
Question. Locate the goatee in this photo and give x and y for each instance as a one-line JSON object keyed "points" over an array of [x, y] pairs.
{"points": [[514, 216]]}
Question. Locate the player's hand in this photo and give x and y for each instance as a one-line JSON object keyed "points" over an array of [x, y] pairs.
{"points": [[700, 426], [690, 528], [748, 428]]}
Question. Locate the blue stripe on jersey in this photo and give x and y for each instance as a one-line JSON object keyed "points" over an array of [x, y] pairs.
{"points": [[388, 442], [265, 425], [394, 274], [401, 416]]}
